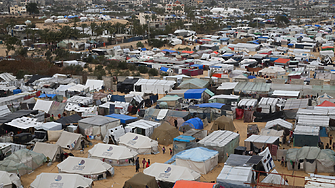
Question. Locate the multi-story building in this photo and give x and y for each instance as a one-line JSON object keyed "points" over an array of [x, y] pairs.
{"points": [[17, 10], [189, 3], [175, 8], [157, 22]]}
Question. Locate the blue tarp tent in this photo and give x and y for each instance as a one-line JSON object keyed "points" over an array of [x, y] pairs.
{"points": [[251, 77], [198, 66], [194, 123], [124, 119], [16, 91], [290, 44], [194, 93], [118, 98], [198, 154], [167, 50], [144, 49], [47, 95], [210, 105], [164, 69], [183, 138], [227, 55]]}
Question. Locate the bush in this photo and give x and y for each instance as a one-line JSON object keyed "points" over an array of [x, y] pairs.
{"points": [[132, 67], [99, 71], [90, 69], [157, 43], [140, 45], [143, 69], [122, 65], [164, 74], [153, 72]]}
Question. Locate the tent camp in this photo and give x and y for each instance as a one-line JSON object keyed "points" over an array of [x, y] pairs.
{"points": [[194, 123], [141, 180], [165, 134], [199, 159], [8, 179], [235, 176], [167, 174], [61, 180], [86, 167], [139, 143], [97, 125], [22, 162], [69, 140], [52, 151], [222, 141], [113, 154], [143, 127], [223, 123]]}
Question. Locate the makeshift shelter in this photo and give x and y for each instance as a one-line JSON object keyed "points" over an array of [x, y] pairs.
{"points": [[59, 179], [85, 167], [154, 86], [9, 179], [113, 154], [274, 179], [67, 120], [194, 83], [208, 110], [141, 180], [182, 142], [124, 119], [306, 136], [43, 105], [69, 140], [256, 142], [171, 100], [52, 151], [235, 176], [127, 85], [24, 123], [49, 126], [268, 105], [224, 99], [279, 124], [139, 143], [202, 94], [97, 125], [22, 162], [194, 123], [167, 174], [199, 159], [165, 134], [94, 84], [143, 127], [222, 141], [292, 105], [223, 123]]}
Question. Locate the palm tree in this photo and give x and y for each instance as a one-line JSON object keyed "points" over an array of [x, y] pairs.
{"points": [[83, 26], [93, 27]]}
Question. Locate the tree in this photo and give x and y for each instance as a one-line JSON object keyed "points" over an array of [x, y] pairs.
{"points": [[75, 21], [83, 26], [140, 44], [48, 54], [93, 27], [10, 43], [32, 8], [143, 69], [153, 72]]}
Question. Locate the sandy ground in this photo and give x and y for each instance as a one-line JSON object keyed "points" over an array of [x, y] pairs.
{"points": [[124, 173]]}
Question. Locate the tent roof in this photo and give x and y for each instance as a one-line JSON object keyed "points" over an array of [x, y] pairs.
{"points": [[43, 105], [170, 98], [223, 123], [24, 123], [194, 83], [279, 122], [192, 184], [134, 140], [171, 173], [307, 130], [98, 120], [235, 174], [49, 150], [67, 138], [282, 60], [198, 154], [6, 179], [165, 134], [49, 126], [69, 119], [94, 84], [219, 138], [210, 105], [183, 138], [66, 180], [109, 151], [327, 104], [141, 180], [83, 166], [261, 139], [16, 114]]}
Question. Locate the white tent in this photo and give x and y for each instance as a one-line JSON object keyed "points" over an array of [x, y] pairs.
{"points": [[279, 122], [268, 71], [139, 143], [199, 159], [7, 179], [78, 88], [259, 141], [113, 154], [145, 126], [24, 123], [274, 178], [97, 125], [235, 176], [94, 84], [171, 173], [61, 180], [84, 166], [49, 150], [49, 126], [154, 85], [43, 105], [69, 140]]}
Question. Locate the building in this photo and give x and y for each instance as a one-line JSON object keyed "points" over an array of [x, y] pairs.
{"points": [[158, 22], [17, 10], [189, 3], [174, 8]]}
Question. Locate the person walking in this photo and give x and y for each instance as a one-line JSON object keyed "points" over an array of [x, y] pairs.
{"points": [[163, 149], [148, 163], [137, 163], [330, 139], [176, 123], [170, 151], [143, 162]]}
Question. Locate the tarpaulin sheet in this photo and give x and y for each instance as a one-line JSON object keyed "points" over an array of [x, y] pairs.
{"points": [[210, 105], [265, 117], [123, 118], [118, 98], [239, 113], [194, 93]]}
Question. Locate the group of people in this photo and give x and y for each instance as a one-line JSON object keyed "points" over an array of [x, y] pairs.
{"points": [[328, 145], [163, 149], [145, 163]]}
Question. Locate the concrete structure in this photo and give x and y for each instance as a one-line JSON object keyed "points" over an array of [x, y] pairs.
{"points": [[278, 81], [316, 82], [174, 8], [297, 82], [159, 22], [17, 9]]}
